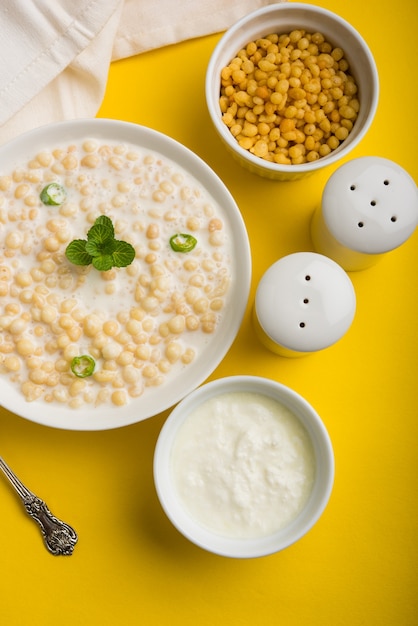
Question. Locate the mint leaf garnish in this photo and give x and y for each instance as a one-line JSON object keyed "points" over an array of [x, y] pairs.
{"points": [[105, 221], [97, 248], [123, 254], [99, 233], [76, 252], [101, 248], [103, 263]]}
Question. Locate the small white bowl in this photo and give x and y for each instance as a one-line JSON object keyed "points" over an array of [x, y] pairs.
{"points": [[283, 18], [231, 546]]}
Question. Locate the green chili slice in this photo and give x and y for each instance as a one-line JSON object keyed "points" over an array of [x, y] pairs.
{"points": [[182, 242], [53, 194], [83, 366]]}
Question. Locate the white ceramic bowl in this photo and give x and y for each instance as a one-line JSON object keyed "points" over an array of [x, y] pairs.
{"points": [[282, 18], [158, 398], [247, 547]]}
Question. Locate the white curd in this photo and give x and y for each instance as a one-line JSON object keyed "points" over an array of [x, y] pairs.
{"points": [[243, 465]]}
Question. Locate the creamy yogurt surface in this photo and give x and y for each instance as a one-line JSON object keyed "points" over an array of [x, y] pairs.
{"points": [[243, 465], [142, 323]]}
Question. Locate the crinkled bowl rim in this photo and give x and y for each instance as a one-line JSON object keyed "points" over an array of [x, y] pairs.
{"points": [[299, 15]]}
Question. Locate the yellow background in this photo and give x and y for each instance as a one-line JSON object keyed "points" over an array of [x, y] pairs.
{"points": [[358, 565]]}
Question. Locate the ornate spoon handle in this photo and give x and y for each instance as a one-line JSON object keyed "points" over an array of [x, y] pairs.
{"points": [[59, 537]]}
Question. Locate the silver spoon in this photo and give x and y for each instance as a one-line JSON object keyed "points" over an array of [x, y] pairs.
{"points": [[59, 537]]}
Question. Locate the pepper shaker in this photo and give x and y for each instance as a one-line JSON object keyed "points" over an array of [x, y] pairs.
{"points": [[304, 302], [369, 207]]}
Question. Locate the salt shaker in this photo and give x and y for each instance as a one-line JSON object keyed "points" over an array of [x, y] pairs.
{"points": [[369, 207], [304, 302]]}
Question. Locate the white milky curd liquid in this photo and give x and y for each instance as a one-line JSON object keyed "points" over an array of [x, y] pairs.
{"points": [[243, 465], [142, 323]]}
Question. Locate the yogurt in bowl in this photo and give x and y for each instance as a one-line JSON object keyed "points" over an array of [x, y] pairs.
{"points": [[243, 466]]}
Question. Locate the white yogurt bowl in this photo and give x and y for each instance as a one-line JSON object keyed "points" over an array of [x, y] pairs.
{"points": [[283, 18], [250, 542]]}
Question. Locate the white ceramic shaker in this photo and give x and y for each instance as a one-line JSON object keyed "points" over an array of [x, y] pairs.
{"points": [[304, 302], [369, 207]]}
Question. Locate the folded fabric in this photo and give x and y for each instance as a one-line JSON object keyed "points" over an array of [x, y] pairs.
{"points": [[148, 24], [56, 55]]}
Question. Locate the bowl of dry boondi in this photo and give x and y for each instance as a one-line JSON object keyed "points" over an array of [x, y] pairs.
{"points": [[291, 88]]}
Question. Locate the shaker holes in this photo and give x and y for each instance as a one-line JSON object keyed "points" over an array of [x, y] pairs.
{"points": [[307, 277], [386, 182], [305, 300], [373, 203], [393, 218], [302, 325], [360, 224]]}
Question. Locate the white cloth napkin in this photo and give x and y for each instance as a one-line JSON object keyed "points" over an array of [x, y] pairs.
{"points": [[55, 56]]}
